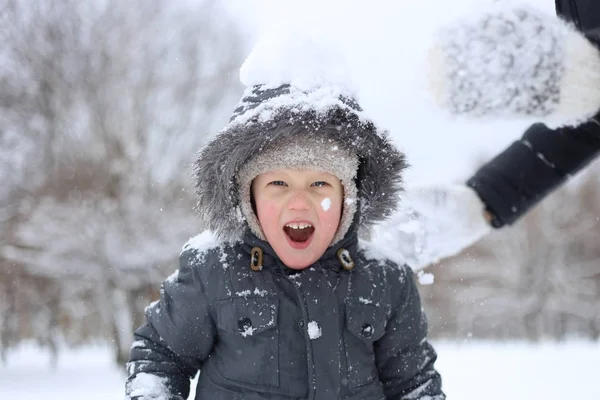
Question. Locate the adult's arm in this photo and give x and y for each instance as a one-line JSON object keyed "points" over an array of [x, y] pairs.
{"points": [[532, 167]]}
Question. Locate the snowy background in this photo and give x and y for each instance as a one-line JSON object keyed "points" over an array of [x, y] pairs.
{"points": [[470, 371], [131, 93], [384, 48]]}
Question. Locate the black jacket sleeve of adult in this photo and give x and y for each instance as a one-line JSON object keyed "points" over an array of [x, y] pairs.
{"points": [[532, 167], [585, 14], [528, 170]]}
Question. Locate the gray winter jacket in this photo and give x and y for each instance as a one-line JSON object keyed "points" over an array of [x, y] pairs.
{"points": [[347, 327], [322, 333]]}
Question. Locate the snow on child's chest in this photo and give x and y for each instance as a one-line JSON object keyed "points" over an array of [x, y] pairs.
{"points": [[314, 330]]}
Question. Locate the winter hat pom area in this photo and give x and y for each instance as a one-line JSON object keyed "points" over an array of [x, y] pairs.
{"points": [[301, 150]]}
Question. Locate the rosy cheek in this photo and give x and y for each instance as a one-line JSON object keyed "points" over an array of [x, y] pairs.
{"points": [[268, 212], [330, 213]]}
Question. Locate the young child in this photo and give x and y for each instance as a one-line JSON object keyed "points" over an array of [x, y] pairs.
{"points": [[288, 305]]}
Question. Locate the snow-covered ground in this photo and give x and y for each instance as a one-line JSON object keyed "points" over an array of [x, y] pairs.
{"points": [[470, 370]]}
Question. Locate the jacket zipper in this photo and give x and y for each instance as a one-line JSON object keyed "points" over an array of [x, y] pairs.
{"points": [[309, 356]]}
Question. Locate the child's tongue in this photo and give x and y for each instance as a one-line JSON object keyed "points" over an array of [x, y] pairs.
{"points": [[299, 235]]}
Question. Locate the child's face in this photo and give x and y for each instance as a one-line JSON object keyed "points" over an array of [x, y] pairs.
{"points": [[299, 212]]}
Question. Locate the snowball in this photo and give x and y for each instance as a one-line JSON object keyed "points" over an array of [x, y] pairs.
{"points": [[314, 330], [307, 54], [298, 53], [425, 278]]}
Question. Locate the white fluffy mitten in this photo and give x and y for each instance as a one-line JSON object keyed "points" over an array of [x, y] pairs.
{"points": [[433, 222], [511, 62]]}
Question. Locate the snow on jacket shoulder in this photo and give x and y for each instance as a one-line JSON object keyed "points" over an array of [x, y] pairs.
{"points": [[326, 332]]}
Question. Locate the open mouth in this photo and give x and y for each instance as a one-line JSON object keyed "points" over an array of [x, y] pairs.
{"points": [[299, 234]]}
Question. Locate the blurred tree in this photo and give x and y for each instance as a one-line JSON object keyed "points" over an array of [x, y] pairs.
{"points": [[537, 279], [102, 107]]}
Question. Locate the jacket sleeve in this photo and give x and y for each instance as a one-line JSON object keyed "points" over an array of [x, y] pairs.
{"points": [[404, 357], [177, 337], [585, 14], [532, 167]]}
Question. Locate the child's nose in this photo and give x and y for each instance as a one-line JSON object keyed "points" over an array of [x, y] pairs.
{"points": [[299, 201]]}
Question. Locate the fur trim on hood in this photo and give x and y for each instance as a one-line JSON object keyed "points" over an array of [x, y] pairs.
{"points": [[262, 119]]}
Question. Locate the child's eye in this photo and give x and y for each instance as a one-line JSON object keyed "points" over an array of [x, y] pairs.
{"points": [[278, 183], [320, 184]]}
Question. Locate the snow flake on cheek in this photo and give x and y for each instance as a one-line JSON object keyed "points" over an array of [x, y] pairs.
{"points": [[326, 204]]}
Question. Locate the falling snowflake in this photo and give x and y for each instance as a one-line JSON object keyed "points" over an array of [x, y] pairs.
{"points": [[425, 278]]}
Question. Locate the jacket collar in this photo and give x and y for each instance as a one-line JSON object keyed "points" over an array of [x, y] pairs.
{"points": [[329, 259]]}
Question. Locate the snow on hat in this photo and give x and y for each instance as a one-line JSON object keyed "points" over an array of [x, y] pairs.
{"points": [[302, 152], [516, 62], [296, 115]]}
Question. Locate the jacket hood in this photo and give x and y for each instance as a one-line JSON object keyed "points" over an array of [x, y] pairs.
{"points": [[257, 123]]}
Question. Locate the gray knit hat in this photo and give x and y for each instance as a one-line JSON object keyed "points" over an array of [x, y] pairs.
{"points": [[284, 127], [302, 152]]}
